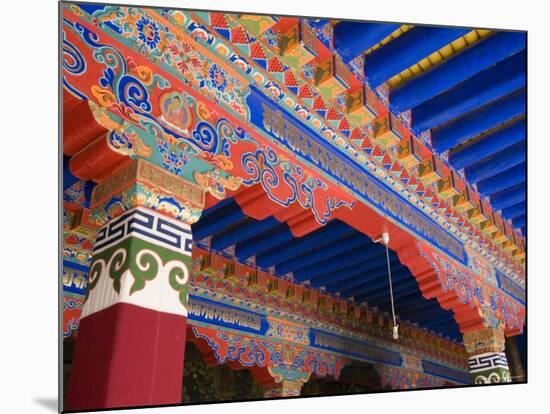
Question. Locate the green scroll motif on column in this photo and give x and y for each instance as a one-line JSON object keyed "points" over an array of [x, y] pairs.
{"points": [[488, 363], [141, 257]]}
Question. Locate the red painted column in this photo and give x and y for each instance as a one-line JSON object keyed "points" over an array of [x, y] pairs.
{"points": [[131, 338]]}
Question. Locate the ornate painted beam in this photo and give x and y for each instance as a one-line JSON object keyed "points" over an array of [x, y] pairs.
{"points": [[79, 127], [352, 39], [323, 311], [406, 50], [469, 126], [457, 69], [488, 145], [489, 85], [435, 278], [492, 166], [510, 177]]}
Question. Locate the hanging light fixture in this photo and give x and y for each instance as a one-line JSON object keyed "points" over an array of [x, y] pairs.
{"points": [[385, 239]]}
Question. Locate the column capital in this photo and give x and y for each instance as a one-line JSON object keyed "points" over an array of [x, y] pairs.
{"points": [[288, 382], [488, 363], [139, 183], [395, 378], [489, 339]]}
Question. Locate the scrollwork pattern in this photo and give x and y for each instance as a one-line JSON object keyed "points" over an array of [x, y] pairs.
{"points": [[178, 277], [496, 377], [73, 63], [492, 304], [156, 41], [188, 129], [249, 351], [143, 262], [145, 268], [266, 168], [97, 267], [128, 83]]}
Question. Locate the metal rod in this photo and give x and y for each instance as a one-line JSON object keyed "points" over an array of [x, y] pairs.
{"points": [[391, 287]]}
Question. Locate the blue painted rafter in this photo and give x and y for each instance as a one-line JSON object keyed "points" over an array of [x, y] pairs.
{"points": [[477, 122], [406, 50], [351, 39], [219, 219], [436, 322], [489, 85], [488, 145], [347, 284], [378, 284], [344, 263], [264, 242], [311, 257], [348, 287], [411, 298], [514, 211], [519, 221], [423, 306], [432, 319], [409, 286], [509, 198], [244, 232], [323, 236], [457, 69], [419, 313], [493, 165], [405, 298], [503, 180]]}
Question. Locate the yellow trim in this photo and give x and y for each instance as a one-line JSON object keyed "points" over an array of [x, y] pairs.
{"points": [[394, 35], [438, 56]]}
